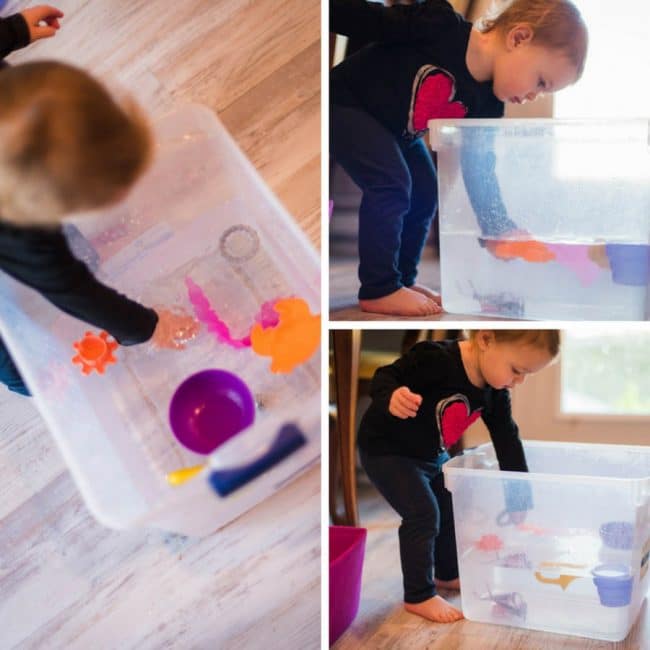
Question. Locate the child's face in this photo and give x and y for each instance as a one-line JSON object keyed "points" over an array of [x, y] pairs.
{"points": [[523, 71], [507, 364]]}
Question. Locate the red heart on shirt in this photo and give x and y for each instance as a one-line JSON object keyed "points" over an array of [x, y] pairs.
{"points": [[455, 420], [433, 100]]}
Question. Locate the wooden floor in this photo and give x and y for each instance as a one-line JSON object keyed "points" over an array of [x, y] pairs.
{"points": [[382, 623], [66, 581]]}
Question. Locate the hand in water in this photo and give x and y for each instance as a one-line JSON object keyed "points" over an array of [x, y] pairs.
{"points": [[517, 244], [174, 329]]}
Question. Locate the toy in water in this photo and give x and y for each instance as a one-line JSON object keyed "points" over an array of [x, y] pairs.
{"points": [[563, 580], [94, 352], [489, 543], [180, 476], [206, 315], [515, 561], [614, 583], [225, 480], [630, 263], [209, 408], [617, 534], [293, 340], [578, 258], [526, 249], [534, 530], [509, 603], [505, 303]]}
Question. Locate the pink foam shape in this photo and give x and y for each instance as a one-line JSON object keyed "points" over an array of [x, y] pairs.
{"points": [[209, 317], [576, 258]]}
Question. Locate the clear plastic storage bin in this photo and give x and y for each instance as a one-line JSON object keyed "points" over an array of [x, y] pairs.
{"points": [[578, 563], [552, 221], [202, 212]]}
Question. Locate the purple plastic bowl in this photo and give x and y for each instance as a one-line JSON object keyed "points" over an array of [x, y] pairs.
{"points": [[210, 407], [347, 548]]}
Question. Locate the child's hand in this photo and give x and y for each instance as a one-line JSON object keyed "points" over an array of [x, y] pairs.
{"points": [[173, 330], [34, 16], [403, 403]]}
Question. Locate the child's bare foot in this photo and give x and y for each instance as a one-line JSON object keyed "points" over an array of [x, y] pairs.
{"points": [[447, 584], [436, 609], [429, 293], [403, 302]]}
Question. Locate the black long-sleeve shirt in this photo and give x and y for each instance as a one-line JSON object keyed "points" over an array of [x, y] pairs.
{"points": [[41, 259], [409, 44], [14, 34], [396, 78], [450, 402]]}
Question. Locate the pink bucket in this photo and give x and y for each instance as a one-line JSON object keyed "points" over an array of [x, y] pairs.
{"points": [[347, 547]]}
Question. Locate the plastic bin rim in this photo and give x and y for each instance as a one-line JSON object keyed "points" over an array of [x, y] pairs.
{"points": [[448, 467], [468, 122], [339, 558]]}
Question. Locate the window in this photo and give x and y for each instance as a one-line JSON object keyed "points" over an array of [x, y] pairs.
{"points": [[615, 80], [605, 371]]}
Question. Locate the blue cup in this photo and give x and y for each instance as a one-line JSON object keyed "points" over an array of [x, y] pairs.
{"points": [[630, 263], [614, 584]]}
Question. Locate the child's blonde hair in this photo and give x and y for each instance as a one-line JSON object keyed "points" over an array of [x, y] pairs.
{"points": [[548, 340], [556, 24], [65, 141]]}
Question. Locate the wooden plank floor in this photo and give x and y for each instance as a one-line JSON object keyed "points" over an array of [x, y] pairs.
{"points": [[66, 581], [382, 623]]}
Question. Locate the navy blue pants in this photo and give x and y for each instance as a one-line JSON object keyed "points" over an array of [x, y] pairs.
{"points": [[398, 181], [9, 374], [427, 540]]}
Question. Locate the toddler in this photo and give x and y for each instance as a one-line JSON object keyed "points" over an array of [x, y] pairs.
{"points": [[66, 145], [421, 405], [425, 61]]}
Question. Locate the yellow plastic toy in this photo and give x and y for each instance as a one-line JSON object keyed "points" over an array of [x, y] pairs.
{"points": [[180, 476]]}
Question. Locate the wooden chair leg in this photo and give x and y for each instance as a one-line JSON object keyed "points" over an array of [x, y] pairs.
{"points": [[347, 345]]}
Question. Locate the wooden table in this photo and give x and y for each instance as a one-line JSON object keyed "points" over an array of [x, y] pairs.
{"points": [[65, 580]]}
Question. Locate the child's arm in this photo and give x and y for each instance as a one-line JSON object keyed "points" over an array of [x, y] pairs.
{"points": [[14, 34], [24, 28], [504, 432], [510, 453], [478, 163], [41, 259], [396, 388], [372, 22]]}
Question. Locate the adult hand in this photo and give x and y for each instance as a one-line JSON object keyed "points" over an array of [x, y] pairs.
{"points": [[36, 16], [404, 403]]}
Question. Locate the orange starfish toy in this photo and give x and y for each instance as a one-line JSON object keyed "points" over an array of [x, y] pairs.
{"points": [[293, 340], [94, 352]]}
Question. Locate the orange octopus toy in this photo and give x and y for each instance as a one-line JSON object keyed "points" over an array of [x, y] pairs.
{"points": [[94, 352]]}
